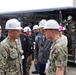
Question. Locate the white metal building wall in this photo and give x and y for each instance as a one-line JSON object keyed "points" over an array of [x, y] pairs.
{"points": [[74, 2]]}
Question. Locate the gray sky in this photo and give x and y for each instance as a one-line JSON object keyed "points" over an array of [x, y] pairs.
{"points": [[17, 5]]}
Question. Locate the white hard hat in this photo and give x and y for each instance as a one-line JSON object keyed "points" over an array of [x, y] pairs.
{"points": [[0, 27], [42, 23], [13, 24], [64, 21], [27, 29], [35, 27], [69, 17], [51, 24], [64, 28]]}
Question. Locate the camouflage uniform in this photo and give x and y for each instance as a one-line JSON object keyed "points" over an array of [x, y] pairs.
{"points": [[70, 26], [72, 34], [10, 58], [58, 57]]}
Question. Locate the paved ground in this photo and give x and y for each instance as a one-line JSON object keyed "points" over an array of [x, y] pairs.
{"points": [[32, 69], [71, 69]]}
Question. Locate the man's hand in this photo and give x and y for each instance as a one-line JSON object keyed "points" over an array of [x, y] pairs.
{"points": [[60, 71]]}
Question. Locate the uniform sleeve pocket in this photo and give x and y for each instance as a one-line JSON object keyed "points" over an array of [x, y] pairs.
{"points": [[13, 53]]}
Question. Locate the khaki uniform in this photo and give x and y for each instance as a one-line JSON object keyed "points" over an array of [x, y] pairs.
{"points": [[58, 57], [29, 63], [10, 58], [64, 39]]}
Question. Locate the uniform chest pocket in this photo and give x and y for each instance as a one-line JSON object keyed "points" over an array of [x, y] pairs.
{"points": [[13, 53]]}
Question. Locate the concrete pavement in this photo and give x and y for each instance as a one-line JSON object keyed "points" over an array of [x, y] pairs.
{"points": [[71, 69], [32, 69]]}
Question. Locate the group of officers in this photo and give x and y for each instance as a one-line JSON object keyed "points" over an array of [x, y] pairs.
{"points": [[50, 44]]}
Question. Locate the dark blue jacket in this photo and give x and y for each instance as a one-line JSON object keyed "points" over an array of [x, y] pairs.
{"points": [[25, 45]]}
